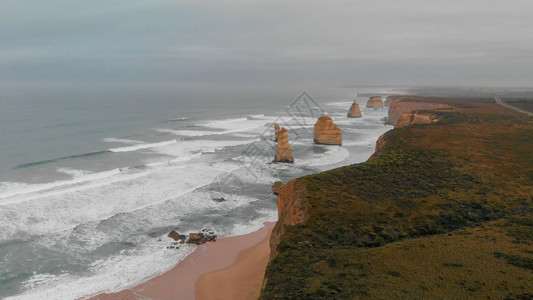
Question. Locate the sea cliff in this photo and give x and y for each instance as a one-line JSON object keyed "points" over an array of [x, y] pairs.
{"points": [[431, 214], [398, 105], [291, 211]]}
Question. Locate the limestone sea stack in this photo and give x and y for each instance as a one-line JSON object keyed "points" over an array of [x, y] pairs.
{"points": [[354, 111], [276, 129], [375, 101], [327, 132], [284, 152]]}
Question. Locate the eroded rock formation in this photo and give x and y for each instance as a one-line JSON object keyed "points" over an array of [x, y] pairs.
{"points": [[277, 186], [410, 118], [276, 130], [375, 101], [284, 152], [399, 105], [326, 132], [291, 211], [354, 111], [196, 238]]}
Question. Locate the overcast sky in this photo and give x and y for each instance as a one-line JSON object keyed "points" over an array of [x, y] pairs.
{"points": [[411, 42]]}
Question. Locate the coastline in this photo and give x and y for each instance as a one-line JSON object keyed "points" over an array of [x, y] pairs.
{"points": [[239, 260]]}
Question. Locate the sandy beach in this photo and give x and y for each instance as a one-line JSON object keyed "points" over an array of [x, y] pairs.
{"points": [[230, 268]]}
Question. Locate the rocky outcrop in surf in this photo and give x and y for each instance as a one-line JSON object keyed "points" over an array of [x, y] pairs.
{"points": [[276, 131], [196, 238], [375, 102], [354, 111], [284, 152], [326, 132]]}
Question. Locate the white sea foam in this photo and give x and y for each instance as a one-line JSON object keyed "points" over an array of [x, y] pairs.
{"points": [[72, 172], [191, 133], [103, 198], [333, 155], [124, 141], [9, 195], [227, 126], [157, 196], [180, 119], [244, 135], [109, 275], [368, 141], [341, 104], [137, 265], [256, 116], [195, 146], [240, 124], [256, 224], [142, 146], [226, 123], [126, 270]]}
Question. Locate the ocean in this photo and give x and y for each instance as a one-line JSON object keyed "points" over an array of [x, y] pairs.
{"points": [[91, 187]]}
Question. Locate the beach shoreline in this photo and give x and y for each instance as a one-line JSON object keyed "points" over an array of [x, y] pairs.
{"points": [[230, 268]]}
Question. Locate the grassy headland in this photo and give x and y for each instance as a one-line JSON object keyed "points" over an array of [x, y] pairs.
{"points": [[441, 210]]}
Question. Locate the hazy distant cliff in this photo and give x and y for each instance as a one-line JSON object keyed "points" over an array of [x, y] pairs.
{"points": [[402, 104]]}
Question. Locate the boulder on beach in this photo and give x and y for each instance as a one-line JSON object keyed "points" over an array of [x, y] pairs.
{"points": [[354, 111], [201, 237], [284, 152], [194, 236], [277, 186], [174, 235], [375, 101], [326, 132]]}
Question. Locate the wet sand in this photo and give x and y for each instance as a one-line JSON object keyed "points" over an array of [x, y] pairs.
{"points": [[230, 268]]}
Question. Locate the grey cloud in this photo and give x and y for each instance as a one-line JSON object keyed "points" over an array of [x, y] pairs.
{"points": [[275, 42]]}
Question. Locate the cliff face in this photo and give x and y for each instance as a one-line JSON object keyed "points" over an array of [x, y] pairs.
{"points": [[291, 211], [284, 152], [375, 101], [410, 118], [326, 132], [380, 144], [399, 105], [354, 111]]}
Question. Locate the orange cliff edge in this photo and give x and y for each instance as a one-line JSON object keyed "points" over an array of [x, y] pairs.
{"points": [[398, 105], [291, 204]]}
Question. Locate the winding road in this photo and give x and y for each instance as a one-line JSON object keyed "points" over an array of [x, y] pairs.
{"points": [[499, 101]]}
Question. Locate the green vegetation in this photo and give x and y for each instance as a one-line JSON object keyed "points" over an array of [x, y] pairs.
{"points": [[462, 184], [516, 260]]}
